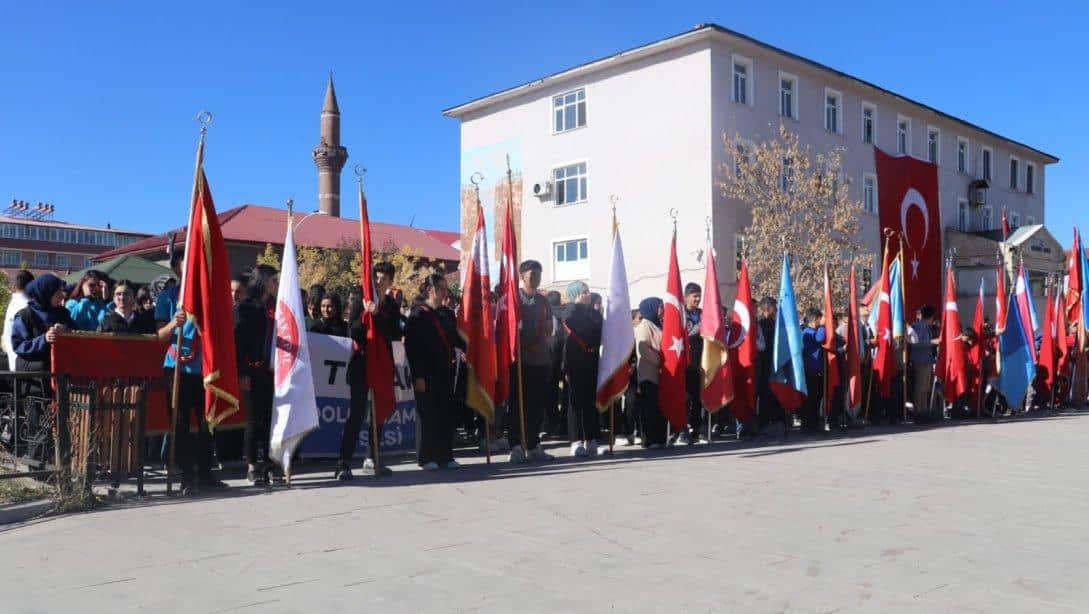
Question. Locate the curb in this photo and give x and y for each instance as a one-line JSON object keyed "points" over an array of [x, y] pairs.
{"points": [[21, 512]]}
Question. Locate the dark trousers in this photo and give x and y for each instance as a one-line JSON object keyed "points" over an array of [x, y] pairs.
{"points": [[654, 421], [259, 420], [836, 412], [694, 407], [191, 452], [583, 420], [536, 381], [627, 419], [889, 410], [767, 406], [811, 408], [357, 410], [436, 414]]}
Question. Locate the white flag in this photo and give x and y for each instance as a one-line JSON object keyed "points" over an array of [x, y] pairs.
{"points": [[294, 408], [617, 334]]}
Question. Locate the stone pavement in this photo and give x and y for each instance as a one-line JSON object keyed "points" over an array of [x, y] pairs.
{"points": [[967, 518]]}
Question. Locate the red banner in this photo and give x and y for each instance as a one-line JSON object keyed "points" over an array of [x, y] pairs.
{"points": [[907, 192]]}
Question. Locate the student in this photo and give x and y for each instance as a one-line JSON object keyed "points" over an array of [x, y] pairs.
{"points": [[693, 294], [922, 343], [313, 304], [125, 318], [769, 411], [87, 302], [648, 350], [582, 341], [431, 340], [16, 304], [253, 329], [238, 288], [145, 302], [331, 321], [813, 358], [533, 336]]}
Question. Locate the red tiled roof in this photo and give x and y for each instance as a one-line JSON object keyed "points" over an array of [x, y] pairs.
{"points": [[258, 224], [449, 237]]}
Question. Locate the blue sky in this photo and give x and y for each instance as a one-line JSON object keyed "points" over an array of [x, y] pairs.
{"points": [[98, 102]]}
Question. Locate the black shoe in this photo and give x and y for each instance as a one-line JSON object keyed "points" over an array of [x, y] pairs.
{"points": [[189, 487], [207, 480], [343, 473]]}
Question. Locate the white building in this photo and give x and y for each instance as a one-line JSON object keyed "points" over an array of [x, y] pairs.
{"points": [[647, 125]]}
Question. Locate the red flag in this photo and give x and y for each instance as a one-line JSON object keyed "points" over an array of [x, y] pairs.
{"points": [[1062, 342], [975, 353], [1046, 364], [379, 358], [671, 377], [831, 360], [950, 367], [475, 325], [1000, 299], [854, 349], [717, 386], [908, 202], [1005, 225], [743, 348], [1074, 276], [508, 307], [884, 362], [206, 282]]}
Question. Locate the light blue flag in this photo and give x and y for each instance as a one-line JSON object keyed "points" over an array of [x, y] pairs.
{"points": [[1084, 278], [1033, 319], [788, 373], [896, 299], [1016, 369]]}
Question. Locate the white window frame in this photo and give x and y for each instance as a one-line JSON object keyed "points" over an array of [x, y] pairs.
{"points": [[1030, 177], [736, 59], [786, 175], [1015, 171], [747, 147], [873, 122], [568, 239], [967, 155], [986, 218], [869, 207], [838, 108], [937, 144], [556, 188], [794, 93], [964, 224], [986, 163], [585, 106], [907, 135]]}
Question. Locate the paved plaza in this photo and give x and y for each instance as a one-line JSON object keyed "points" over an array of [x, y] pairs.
{"points": [[974, 517]]}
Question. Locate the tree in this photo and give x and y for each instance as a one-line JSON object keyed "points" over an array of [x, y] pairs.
{"points": [[800, 204], [270, 257]]}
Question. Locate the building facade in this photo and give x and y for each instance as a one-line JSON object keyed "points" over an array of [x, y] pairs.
{"points": [[657, 126]]}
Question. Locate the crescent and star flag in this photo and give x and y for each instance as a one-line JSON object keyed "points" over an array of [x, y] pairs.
{"points": [[831, 359], [508, 309], [1005, 225], [376, 350], [787, 380], [743, 345], [1047, 359], [884, 362], [672, 397], [1016, 368], [975, 353], [908, 204], [1075, 281], [1022, 291], [294, 407], [950, 368], [475, 325], [617, 334], [1000, 298], [205, 286], [716, 383], [853, 357]]}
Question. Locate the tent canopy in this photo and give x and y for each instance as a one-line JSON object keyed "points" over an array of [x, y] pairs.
{"points": [[126, 266]]}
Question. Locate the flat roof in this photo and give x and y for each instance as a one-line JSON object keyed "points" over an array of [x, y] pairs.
{"points": [[700, 31], [10, 219]]}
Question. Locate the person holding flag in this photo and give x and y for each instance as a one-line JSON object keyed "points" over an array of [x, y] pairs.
{"points": [[813, 356], [648, 366], [745, 343], [716, 384], [536, 368], [788, 369], [253, 338], [1016, 366], [672, 391], [582, 342], [617, 336], [950, 368]]}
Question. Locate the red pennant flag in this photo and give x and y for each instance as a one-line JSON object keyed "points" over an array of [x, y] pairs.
{"points": [[206, 282], [1005, 225], [884, 363], [743, 348], [1046, 364], [975, 353], [854, 349], [1062, 341], [1000, 299], [379, 358], [508, 307], [475, 325], [831, 360], [1074, 276], [716, 387], [950, 367], [672, 399]]}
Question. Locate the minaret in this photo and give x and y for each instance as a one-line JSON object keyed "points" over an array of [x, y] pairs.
{"points": [[329, 156]]}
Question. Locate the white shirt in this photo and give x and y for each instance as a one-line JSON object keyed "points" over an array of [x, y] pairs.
{"points": [[17, 303]]}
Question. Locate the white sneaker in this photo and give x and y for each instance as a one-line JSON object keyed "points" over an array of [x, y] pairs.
{"points": [[537, 454], [577, 449], [453, 464], [637, 440], [621, 441], [517, 455], [684, 438], [432, 466]]}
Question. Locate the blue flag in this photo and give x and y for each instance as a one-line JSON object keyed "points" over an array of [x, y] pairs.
{"points": [[788, 370], [1085, 278], [896, 299], [1016, 368]]}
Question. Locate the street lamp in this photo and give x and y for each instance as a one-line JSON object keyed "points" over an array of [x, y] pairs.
{"points": [[296, 225]]}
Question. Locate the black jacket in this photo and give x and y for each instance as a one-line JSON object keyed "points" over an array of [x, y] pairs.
{"points": [[336, 328], [143, 323], [582, 342], [387, 319], [430, 339], [252, 342]]}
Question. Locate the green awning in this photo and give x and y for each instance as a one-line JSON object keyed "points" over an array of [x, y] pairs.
{"points": [[127, 266]]}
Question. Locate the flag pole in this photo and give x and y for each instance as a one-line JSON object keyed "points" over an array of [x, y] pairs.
{"points": [[903, 343], [204, 118], [290, 231], [613, 198]]}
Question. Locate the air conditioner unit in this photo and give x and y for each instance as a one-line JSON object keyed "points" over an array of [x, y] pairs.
{"points": [[542, 189]]}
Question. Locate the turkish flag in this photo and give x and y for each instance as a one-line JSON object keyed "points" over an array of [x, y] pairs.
{"points": [[1046, 366], [379, 359], [672, 396], [1062, 341], [908, 204], [831, 373], [884, 361], [743, 347], [507, 307], [716, 385], [475, 325], [1074, 276], [975, 353], [950, 366], [854, 350], [1000, 299]]}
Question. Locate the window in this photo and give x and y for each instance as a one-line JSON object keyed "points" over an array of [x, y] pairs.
{"points": [[1030, 177], [788, 95], [740, 155], [41, 259], [10, 258], [569, 110], [933, 145], [903, 135], [833, 100], [570, 183], [742, 82], [985, 219], [962, 215], [1015, 167], [786, 175], [571, 260], [867, 280], [869, 193], [987, 163], [962, 155], [869, 117], [1015, 220], [739, 253], [61, 261]]}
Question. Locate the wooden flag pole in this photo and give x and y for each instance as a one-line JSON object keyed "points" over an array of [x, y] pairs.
{"points": [[487, 441], [374, 439], [612, 425]]}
